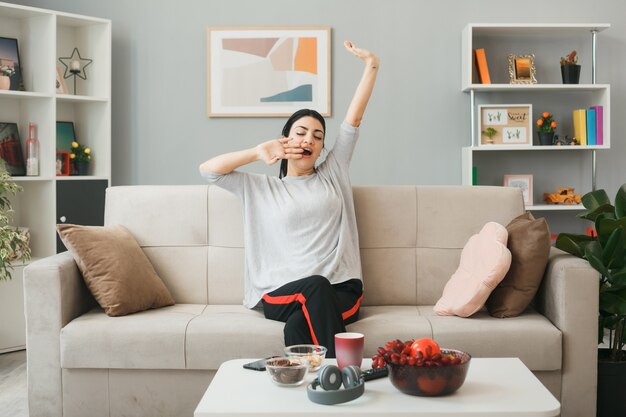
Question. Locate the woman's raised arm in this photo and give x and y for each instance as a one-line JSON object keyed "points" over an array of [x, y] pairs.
{"points": [[366, 85]]}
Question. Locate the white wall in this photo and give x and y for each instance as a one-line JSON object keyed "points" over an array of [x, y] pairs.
{"points": [[416, 123]]}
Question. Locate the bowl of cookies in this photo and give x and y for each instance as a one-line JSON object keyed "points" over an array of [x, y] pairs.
{"points": [[314, 354]]}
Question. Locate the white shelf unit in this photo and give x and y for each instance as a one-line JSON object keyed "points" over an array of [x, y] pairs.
{"points": [[43, 36], [551, 166]]}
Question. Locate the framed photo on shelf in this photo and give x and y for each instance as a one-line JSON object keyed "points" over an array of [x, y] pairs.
{"points": [[11, 149], [267, 71], [525, 183], [10, 69], [63, 163], [522, 69], [65, 136], [505, 124], [61, 87]]}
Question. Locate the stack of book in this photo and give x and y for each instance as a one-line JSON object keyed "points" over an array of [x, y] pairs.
{"points": [[588, 125]]}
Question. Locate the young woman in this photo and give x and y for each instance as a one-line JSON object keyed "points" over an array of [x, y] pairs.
{"points": [[302, 248]]}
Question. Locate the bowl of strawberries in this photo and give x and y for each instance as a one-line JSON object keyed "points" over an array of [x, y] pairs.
{"points": [[420, 367]]}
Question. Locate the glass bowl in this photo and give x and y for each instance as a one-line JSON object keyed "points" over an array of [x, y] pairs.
{"points": [[430, 381], [315, 354], [287, 371]]}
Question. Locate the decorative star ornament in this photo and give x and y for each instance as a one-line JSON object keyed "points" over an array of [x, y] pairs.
{"points": [[75, 69]]}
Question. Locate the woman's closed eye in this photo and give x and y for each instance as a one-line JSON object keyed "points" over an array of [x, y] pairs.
{"points": [[317, 137]]}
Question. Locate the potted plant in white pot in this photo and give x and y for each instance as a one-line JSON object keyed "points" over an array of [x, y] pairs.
{"points": [[606, 253], [13, 241]]}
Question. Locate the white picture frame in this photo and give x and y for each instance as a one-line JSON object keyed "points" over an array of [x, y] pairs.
{"points": [[524, 182], [268, 71]]}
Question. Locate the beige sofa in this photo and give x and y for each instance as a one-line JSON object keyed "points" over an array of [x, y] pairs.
{"points": [[159, 362]]}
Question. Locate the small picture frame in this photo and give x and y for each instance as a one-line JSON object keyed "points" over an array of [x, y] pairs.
{"points": [[10, 68], [505, 124], [63, 163], [11, 149], [65, 136], [61, 87], [522, 69], [525, 183]]}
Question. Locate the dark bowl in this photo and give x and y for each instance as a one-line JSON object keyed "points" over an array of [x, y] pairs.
{"points": [[430, 381]]}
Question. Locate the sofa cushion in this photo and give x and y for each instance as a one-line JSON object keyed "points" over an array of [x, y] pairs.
{"points": [[151, 339], [115, 269], [529, 243], [485, 260], [529, 336], [183, 336], [224, 332]]}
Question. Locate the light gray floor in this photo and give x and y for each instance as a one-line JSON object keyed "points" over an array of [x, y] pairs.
{"points": [[13, 393]]}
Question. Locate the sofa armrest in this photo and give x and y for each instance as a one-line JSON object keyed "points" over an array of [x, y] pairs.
{"points": [[54, 294], [568, 297]]}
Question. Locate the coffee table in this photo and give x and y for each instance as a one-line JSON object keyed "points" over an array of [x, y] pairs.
{"points": [[493, 387]]}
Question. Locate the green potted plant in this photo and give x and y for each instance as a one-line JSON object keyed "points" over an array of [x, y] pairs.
{"points": [[545, 128], [570, 70], [13, 241], [80, 157], [606, 253], [490, 132]]}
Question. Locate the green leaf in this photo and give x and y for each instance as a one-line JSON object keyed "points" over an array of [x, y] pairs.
{"points": [[605, 210], [614, 251], [605, 226], [614, 303], [593, 254], [573, 244], [618, 279], [620, 202], [594, 199]]}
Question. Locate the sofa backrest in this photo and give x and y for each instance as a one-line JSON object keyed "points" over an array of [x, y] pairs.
{"points": [[410, 236]]}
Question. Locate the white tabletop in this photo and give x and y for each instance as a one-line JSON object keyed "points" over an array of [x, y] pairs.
{"points": [[493, 387]]}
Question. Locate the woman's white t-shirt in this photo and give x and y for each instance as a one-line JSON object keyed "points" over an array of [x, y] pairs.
{"points": [[298, 226]]}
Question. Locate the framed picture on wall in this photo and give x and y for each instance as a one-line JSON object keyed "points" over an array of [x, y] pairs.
{"points": [[11, 149], [505, 124], [525, 183], [10, 69], [267, 72]]}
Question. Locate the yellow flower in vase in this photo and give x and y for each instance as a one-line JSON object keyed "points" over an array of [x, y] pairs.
{"points": [[80, 156]]}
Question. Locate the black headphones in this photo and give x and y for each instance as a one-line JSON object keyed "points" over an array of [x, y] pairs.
{"points": [[330, 378]]}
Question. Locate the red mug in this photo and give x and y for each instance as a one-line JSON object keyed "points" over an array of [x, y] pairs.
{"points": [[349, 349]]}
